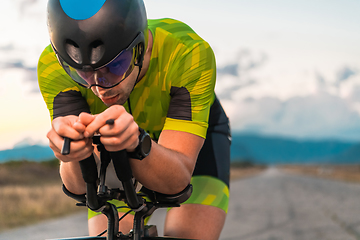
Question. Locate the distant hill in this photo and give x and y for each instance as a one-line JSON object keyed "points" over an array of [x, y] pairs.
{"points": [[278, 150], [351, 155], [245, 147], [27, 152]]}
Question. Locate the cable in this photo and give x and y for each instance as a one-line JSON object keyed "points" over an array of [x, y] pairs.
{"points": [[127, 213], [122, 217]]}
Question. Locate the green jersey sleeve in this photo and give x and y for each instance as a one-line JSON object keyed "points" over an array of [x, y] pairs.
{"points": [[190, 73]]}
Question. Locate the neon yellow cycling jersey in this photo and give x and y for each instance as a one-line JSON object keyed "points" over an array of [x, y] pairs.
{"points": [[175, 94]]}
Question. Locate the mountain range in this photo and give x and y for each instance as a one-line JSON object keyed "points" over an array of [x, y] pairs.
{"points": [[27, 152], [257, 149], [278, 150]]}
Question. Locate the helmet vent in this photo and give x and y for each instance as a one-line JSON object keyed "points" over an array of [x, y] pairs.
{"points": [[73, 51], [97, 51]]}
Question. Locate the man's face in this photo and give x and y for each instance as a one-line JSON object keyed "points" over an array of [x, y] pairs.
{"points": [[118, 94]]}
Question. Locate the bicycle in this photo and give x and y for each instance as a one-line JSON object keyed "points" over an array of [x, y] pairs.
{"points": [[97, 196]]}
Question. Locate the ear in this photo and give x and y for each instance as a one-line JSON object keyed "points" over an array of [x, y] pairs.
{"points": [[140, 53]]}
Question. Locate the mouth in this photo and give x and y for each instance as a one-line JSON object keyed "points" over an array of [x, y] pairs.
{"points": [[110, 100]]}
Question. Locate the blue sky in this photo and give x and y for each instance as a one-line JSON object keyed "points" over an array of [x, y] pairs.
{"points": [[289, 68]]}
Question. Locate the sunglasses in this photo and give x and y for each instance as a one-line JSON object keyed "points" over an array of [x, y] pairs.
{"points": [[111, 74]]}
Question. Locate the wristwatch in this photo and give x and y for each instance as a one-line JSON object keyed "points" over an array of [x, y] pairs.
{"points": [[143, 149]]}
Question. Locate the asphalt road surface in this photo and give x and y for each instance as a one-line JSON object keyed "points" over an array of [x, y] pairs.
{"points": [[271, 206]]}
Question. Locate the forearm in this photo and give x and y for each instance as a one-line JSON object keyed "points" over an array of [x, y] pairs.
{"points": [[164, 170], [71, 177], [170, 164]]}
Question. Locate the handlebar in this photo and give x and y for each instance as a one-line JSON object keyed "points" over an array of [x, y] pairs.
{"points": [[97, 194], [90, 174]]}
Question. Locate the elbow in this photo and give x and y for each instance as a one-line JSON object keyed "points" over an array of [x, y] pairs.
{"points": [[179, 185], [169, 187], [182, 181]]}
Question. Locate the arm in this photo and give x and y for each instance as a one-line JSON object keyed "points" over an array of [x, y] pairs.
{"points": [[170, 164], [72, 178]]}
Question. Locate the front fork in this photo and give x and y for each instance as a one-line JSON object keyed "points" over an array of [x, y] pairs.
{"points": [[112, 215]]}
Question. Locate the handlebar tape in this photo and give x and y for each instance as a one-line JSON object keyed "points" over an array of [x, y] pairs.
{"points": [[90, 175], [123, 172], [89, 169], [121, 165]]}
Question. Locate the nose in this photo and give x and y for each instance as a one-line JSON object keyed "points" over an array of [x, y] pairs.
{"points": [[103, 70], [101, 91]]}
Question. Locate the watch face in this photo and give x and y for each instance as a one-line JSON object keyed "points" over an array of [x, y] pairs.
{"points": [[146, 145]]}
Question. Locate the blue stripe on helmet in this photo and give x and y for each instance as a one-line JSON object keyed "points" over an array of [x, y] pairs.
{"points": [[81, 9]]}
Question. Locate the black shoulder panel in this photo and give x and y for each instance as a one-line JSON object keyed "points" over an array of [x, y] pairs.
{"points": [[180, 104], [69, 103]]}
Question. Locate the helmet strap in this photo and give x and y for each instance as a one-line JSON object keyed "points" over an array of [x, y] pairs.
{"points": [[137, 80], [139, 64]]}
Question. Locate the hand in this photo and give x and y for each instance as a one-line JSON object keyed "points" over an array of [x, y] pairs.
{"points": [[71, 127], [123, 134]]}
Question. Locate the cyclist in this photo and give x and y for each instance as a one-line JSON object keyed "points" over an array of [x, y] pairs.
{"points": [[154, 78]]}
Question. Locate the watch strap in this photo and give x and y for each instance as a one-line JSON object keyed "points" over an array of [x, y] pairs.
{"points": [[137, 154]]}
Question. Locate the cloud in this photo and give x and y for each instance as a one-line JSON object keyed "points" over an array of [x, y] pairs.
{"points": [[230, 69], [30, 72], [249, 60], [319, 115], [228, 86], [28, 8], [14, 64], [239, 74], [15, 57], [331, 109], [26, 36], [344, 74], [26, 75], [7, 47], [245, 61]]}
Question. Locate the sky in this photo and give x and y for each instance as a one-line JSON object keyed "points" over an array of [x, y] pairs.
{"points": [[284, 68]]}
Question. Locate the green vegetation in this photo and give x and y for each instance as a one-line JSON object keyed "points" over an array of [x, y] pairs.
{"points": [[243, 168], [31, 192]]}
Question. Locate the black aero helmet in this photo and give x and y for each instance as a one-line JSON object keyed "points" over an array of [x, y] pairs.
{"points": [[87, 35]]}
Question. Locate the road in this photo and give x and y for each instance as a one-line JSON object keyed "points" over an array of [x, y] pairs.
{"points": [[271, 206], [280, 206]]}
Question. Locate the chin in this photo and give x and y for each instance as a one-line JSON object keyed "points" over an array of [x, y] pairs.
{"points": [[118, 102]]}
